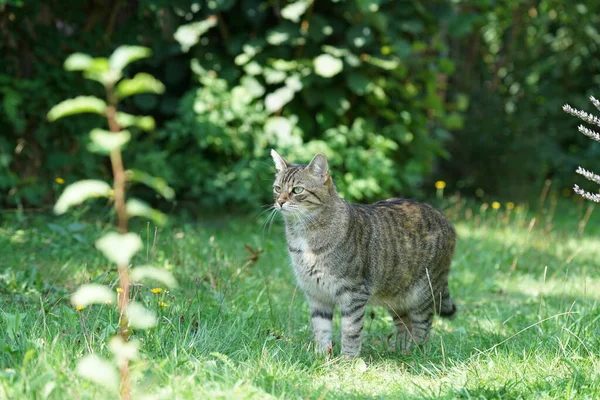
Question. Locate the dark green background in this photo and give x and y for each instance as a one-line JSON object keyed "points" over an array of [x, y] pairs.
{"points": [[469, 92]]}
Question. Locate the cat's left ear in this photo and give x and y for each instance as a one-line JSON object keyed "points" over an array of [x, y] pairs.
{"points": [[280, 162], [318, 166]]}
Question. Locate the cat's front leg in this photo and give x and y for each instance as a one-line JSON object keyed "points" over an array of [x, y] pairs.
{"points": [[321, 316], [353, 314]]}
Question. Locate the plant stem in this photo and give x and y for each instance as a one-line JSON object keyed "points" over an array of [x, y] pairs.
{"points": [[116, 161]]}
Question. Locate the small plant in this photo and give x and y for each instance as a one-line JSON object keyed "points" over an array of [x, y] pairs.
{"points": [[118, 247], [590, 119]]}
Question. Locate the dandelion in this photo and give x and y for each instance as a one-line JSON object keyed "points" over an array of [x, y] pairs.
{"points": [[510, 205], [119, 290], [440, 185], [60, 181], [156, 290], [162, 304], [495, 205], [79, 308]]}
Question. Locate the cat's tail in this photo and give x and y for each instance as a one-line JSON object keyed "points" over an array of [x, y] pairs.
{"points": [[448, 307]]}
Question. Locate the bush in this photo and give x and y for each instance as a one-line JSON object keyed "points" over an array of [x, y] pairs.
{"points": [[363, 82]]}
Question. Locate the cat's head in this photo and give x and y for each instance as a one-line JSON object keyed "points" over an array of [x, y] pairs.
{"points": [[302, 188]]}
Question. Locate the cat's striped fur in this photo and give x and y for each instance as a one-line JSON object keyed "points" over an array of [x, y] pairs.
{"points": [[395, 253]]}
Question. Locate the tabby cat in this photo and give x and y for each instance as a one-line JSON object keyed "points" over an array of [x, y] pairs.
{"points": [[395, 253]]}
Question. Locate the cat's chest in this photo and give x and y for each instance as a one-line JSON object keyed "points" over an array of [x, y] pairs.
{"points": [[310, 268]]}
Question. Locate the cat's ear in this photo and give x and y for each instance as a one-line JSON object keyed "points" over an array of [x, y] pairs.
{"points": [[318, 166], [280, 162]]}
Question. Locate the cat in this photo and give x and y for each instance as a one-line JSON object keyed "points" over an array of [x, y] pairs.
{"points": [[395, 253]]}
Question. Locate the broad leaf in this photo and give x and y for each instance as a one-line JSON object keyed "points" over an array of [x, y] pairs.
{"points": [[279, 98], [327, 65], [189, 34], [92, 294], [294, 11], [119, 248], [158, 184], [140, 83], [99, 370], [145, 123], [78, 192], [99, 71], [78, 62], [105, 141], [145, 272], [124, 351], [78, 105], [140, 317], [137, 208], [125, 55]]}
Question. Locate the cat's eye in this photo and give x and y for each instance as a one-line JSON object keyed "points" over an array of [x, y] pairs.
{"points": [[298, 190], [277, 189]]}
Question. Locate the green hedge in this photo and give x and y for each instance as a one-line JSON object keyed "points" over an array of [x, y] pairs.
{"points": [[387, 89]]}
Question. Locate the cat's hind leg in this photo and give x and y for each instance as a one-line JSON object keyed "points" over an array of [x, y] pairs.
{"points": [[421, 318], [403, 327]]}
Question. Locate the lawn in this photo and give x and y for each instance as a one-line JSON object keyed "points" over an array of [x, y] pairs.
{"points": [[237, 326]]}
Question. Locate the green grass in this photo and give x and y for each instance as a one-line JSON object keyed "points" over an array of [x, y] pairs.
{"points": [[528, 325]]}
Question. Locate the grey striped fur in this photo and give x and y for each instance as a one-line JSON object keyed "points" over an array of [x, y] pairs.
{"points": [[395, 253]]}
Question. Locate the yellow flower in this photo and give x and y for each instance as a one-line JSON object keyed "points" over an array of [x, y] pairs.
{"points": [[510, 205], [156, 290], [440, 185], [79, 308], [119, 290], [495, 205], [162, 304], [60, 181]]}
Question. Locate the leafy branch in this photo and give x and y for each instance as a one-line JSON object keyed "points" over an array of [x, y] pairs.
{"points": [[118, 247], [590, 119]]}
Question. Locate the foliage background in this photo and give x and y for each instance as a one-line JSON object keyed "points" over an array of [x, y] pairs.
{"points": [[465, 91]]}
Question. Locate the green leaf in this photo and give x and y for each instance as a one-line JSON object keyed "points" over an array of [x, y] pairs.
{"points": [[137, 208], [253, 86], [78, 105], [189, 34], [158, 184], [382, 63], [124, 351], [140, 83], [358, 82], [105, 141], [100, 371], [144, 272], [145, 123], [294, 11], [279, 98], [92, 293], [327, 65], [78, 62], [125, 55], [119, 248], [294, 83], [80, 191], [140, 317]]}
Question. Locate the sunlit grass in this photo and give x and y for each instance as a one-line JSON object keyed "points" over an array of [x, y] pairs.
{"points": [[237, 327]]}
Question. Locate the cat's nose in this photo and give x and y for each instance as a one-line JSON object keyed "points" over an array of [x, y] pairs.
{"points": [[281, 202]]}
